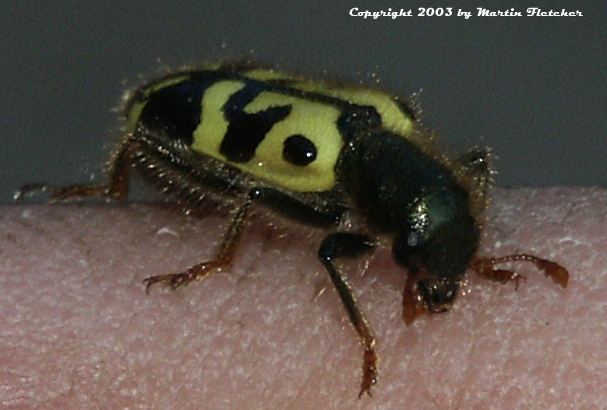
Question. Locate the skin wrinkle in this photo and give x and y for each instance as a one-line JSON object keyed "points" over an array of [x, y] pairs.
{"points": [[45, 254]]}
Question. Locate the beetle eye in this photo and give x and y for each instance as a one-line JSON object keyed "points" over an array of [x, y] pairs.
{"points": [[413, 239]]}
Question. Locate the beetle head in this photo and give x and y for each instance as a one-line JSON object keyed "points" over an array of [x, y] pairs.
{"points": [[436, 246]]}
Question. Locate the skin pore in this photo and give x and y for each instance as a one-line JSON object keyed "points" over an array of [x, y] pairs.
{"points": [[79, 331]]}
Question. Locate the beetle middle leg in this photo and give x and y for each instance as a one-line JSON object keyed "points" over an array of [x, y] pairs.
{"points": [[343, 244]]}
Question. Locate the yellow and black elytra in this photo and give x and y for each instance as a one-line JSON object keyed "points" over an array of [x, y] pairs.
{"points": [[320, 153]]}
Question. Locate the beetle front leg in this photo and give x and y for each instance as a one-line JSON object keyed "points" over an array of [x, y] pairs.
{"points": [[485, 268], [340, 245]]}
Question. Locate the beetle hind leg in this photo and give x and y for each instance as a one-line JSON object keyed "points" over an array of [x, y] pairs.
{"points": [[222, 261], [115, 188]]}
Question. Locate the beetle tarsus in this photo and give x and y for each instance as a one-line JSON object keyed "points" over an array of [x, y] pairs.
{"points": [[369, 372], [177, 280]]}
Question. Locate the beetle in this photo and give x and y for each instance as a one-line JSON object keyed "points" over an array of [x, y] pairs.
{"points": [[321, 153]]}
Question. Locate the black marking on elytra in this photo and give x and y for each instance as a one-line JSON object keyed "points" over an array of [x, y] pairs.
{"points": [[174, 111], [358, 120], [299, 150], [285, 87], [247, 130]]}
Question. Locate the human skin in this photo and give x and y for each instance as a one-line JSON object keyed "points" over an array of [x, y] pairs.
{"points": [[78, 331]]}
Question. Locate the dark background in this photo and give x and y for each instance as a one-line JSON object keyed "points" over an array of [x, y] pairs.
{"points": [[531, 88]]}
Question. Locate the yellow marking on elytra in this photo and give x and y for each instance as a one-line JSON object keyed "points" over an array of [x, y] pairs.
{"points": [[268, 162], [213, 125], [264, 74], [317, 176], [393, 118]]}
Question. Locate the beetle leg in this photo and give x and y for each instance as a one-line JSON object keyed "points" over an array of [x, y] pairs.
{"points": [[223, 260], [413, 305], [485, 267], [340, 245], [116, 188], [171, 166]]}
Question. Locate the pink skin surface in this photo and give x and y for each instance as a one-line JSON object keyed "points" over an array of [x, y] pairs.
{"points": [[77, 330]]}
